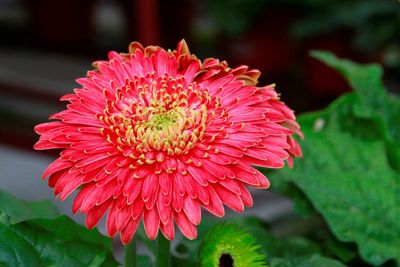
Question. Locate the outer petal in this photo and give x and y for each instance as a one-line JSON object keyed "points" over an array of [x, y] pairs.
{"points": [[94, 215], [191, 207], [186, 227], [168, 229], [215, 204], [151, 223], [128, 231]]}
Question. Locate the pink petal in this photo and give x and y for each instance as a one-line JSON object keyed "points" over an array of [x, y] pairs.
{"points": [[191, 207], [165, 183], [137, 209], [56, 166], [47, 126], [134, 190], [106, 192], [168, 229], [123, 217], [94, 214], [150, 203], [230, 199], [55, 177], [215, 204], [231, 185], [187, 228], [111, 220], [245, 195], [164, 211], [202, 193], [81, 197], [149, 186], [177, 201], [151, 223], [69, 188], [128, 231], [198, 175], [68, 182]]}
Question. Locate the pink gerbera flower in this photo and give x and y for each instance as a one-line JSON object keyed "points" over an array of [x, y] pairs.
{"points": [[156, 135]]}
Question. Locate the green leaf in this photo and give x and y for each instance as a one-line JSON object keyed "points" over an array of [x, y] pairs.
{"points": [[38, 237], [15, 250], [302, 205], [19, 210], [374, 102], [308, 261], [349, 171], [347, 177], [350, 182], [366, 80], [52, 251], [66, 229]]}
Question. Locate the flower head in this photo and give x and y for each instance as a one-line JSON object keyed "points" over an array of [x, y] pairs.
{"points": [[156, 135]]}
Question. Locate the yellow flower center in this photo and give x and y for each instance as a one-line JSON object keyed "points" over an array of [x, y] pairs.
{"points": [[156, 115]]}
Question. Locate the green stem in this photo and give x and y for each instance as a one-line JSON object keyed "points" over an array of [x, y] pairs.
{"points": [[164, 252], [130, 254]]}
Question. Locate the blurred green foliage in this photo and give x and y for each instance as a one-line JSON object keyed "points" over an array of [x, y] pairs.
{"points": [[374, 23]]}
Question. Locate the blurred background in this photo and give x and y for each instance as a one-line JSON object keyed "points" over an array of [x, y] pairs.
{"points": [[46, 44]]}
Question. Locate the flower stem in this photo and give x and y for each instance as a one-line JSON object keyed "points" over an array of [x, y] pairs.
{"points": [[164, 252], [130, 254]]}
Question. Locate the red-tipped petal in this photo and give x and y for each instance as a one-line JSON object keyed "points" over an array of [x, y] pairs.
{"points": [[245, 195], [164, 211], [81, 197], [56, 166], [137, 209], [111, 220], [230, 199], [187, 228], [215, 204], [123, 217], [151, 223], [149, 186], [192, 209], [128, 231], [94, 215], [168, 229]]}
